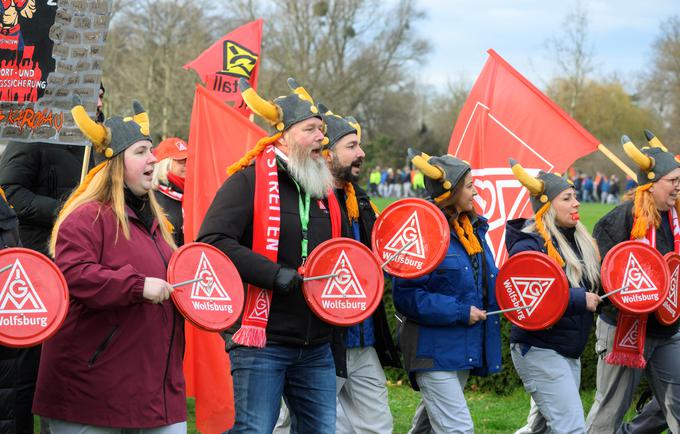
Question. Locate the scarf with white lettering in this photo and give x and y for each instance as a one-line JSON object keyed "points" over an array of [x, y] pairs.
{"points": [[629, 340], [266, 231]]}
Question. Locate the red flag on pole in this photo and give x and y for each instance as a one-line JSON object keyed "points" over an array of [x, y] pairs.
{"points": [[507, 116], [234, 56], [219, 135]]}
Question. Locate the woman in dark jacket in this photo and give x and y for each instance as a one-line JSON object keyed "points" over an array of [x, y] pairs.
{"points": [[445, 337], [116, 362], [548, 361], [16, 388]]}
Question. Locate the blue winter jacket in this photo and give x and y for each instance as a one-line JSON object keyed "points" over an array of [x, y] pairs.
{"points": [[569, 335], [435, 335]]}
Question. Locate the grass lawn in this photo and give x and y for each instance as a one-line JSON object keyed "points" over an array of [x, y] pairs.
{"points": [[492, 414], [590, 212]]}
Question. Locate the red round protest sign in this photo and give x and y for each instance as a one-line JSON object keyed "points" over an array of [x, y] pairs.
{"points": [[356, 289], [532, 281], [215, 301], [669, 312], [642, 269], [416, 232], [33, 297]]}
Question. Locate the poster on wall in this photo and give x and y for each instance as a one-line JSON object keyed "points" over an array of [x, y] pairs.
{"points": [[50, 51]]}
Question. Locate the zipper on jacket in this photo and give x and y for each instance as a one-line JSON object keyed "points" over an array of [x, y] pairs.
{"points": [[102, 346]]}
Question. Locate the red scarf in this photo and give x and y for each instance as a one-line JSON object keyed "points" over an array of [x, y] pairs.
{"points": [[629, 340], [266, 230], [179, 182]]}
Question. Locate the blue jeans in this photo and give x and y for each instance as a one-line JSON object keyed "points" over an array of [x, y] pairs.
{"points": [[304, 375]]}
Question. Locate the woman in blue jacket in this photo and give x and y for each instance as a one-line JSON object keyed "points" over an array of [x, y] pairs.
{"points": [[445, 335], [548, 361]]}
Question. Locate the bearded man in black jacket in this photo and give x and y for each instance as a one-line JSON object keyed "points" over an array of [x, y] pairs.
{"points": [[267, 218]]}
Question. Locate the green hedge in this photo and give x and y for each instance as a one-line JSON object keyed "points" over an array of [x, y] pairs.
{"points": [[507, 380]]}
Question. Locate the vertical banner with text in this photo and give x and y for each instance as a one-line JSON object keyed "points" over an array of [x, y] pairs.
{"points": [[49, 52]]}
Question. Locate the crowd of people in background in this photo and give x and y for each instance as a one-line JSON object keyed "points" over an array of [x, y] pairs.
{"points": [[410, 182]]}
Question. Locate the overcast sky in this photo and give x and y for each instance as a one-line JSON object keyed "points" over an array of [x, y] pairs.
{"points": [[621, 34]]}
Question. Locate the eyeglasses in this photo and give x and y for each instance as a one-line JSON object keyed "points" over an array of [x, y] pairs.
{"points": [[675, 181]]}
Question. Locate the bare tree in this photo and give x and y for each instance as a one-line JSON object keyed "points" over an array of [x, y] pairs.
{"points": [[573, 53], [347, 53], [148, 43], [661, 82]]}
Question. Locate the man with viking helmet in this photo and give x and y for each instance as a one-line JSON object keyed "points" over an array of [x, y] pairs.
{"points": [[548, 361], [650, 214], [116, 362], [267, 217], [446, 336], [360, 351]]}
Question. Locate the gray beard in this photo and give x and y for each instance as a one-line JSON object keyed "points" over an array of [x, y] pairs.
{"points": [[312, 174]]}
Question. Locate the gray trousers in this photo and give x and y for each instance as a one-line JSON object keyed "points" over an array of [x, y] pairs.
{"points": [[649, 421], [443, 397], [363, 395], [64, 427], [616, 384], [536, 423], [553, 382]]}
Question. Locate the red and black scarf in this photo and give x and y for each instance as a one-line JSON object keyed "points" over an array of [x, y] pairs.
{"points": [[266, 230]]}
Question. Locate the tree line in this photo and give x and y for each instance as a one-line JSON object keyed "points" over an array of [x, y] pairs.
{"points": [[361, 57]]}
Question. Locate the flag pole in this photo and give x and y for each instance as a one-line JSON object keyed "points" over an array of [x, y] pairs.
{"points": [[86, 163], [616, 160]]}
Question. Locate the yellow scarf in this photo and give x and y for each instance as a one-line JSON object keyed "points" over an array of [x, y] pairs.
{"points": [[466, 235]]}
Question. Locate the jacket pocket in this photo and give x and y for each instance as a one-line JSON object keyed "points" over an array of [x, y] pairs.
{"points": [[102, 346]]}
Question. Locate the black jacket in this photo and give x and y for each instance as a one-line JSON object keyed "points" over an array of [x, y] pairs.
{"points": [[384, 344], [228, 225], [18, 366], [173, 209], [614, 228], [37, 178], [569, 335]]}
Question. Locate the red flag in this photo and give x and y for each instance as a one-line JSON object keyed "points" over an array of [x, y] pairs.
{"points": [[219, 135], [234, 56], [506, 116]]}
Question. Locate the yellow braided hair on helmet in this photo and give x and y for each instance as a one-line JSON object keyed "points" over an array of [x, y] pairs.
{"points": [[244, 161], [644, 212], [376, 210], [466, 234], [4, 197], [83, 185], [540, 227], [351, 202]]}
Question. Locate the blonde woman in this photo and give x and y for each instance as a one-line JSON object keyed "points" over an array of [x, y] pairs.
{"points": [[116, 363], [168, 182], [548, 361]]}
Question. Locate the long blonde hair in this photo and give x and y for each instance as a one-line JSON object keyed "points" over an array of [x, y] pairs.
{"points": [[106, 186], [575, 269], [160, 173]]}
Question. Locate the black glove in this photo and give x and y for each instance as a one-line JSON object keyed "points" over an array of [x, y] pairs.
{"points": [[287, 280]]}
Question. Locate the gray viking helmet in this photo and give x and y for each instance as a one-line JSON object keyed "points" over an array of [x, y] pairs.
{"points": [[542, 188], [117, 133], [338, 127], [283, 111], [653, 162], [442, 173]]}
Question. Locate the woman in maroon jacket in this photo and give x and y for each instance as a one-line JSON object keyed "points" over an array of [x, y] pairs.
{"points": [[116, 363]]}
